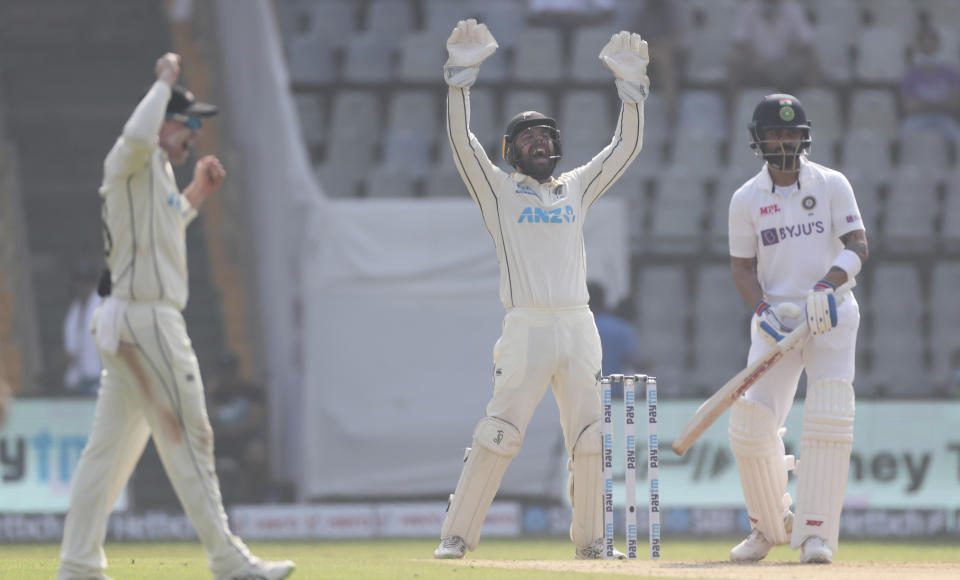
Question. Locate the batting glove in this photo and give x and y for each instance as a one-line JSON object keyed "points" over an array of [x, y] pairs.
{"points": [[627, 56], [769, 320], [821, 308], [469, 44]]}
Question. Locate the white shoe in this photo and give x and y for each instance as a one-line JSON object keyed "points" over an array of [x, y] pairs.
{"points": [[258, 569], [450, 548], [753, 549], [595, 552], [815, 551]]}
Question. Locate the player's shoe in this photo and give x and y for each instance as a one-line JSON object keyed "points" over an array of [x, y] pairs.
{"points": [[258, 569], [595, 552], [815, 551], [753, 549], [757, 546], [450, 548]]}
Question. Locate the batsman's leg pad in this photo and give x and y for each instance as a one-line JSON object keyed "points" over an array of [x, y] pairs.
{"points": [[824, 461], [756, 442], [583, 486], [495, 443]]}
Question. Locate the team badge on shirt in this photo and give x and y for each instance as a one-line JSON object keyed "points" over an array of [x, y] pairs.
{"points": [[526, 189], [809, 202]]}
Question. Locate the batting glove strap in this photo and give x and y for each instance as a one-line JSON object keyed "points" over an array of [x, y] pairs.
{"points": [[460, 76], [761, 307], [823, 285]]}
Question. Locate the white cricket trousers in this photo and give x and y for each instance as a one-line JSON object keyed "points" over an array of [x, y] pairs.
{"points": [[151, 386], [539, 348]]}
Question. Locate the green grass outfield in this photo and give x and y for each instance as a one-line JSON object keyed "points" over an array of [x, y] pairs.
{"points": [[521, 559]]}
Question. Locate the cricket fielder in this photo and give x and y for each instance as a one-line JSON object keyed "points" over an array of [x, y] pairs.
{"points": [[549, 335], [799, 222], [151, 381]]}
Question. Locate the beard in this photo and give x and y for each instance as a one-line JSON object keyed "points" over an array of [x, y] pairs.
{"points": [[539, 167]]}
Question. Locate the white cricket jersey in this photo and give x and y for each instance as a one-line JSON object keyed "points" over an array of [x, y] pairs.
{"points": [[538, 228], [794, 232], [144, 213]]}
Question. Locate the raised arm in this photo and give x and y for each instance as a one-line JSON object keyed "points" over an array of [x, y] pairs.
{"points": [[469, 44], [139, 137], [627, 56]]}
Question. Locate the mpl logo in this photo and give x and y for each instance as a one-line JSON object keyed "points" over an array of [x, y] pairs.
{"points": [[769, 209], [538, 215]]}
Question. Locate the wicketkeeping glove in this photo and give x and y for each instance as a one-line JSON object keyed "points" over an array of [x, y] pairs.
{"points": [[627, 56], [469, 44], [821, 308], [769, 320]]}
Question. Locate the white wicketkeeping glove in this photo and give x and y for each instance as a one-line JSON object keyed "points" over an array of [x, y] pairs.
{"points": [[627, 56], [469, 44], [821, 308]]}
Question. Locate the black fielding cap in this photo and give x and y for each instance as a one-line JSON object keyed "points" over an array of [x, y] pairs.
{"points": [[182, 102]]}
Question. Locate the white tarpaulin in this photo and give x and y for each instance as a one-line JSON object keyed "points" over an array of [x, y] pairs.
{"points": [[401, 312]]}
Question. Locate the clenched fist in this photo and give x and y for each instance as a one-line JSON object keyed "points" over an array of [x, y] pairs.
{"points": [[168, 68]]}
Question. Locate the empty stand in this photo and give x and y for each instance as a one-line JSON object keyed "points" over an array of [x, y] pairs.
{"points": [[944, 314], [912, 206], [369, 59], [926, 150], [677, 225], [389, 21], [310, 58], [720, 354], [882, 54], [538, 56], [874, 110], [585, 64], [662, 307], [897, 340], [422, 57]]}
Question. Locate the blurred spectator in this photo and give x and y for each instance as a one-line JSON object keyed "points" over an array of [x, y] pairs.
{"points": [[237, 411], [570, 12], [773, 47], [660, 23], [81, 359], [930, 88], [617, 339]]}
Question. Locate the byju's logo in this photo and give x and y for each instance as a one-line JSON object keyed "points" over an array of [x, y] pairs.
{"points": [[773, 235], [769, 237], [538, 215]]}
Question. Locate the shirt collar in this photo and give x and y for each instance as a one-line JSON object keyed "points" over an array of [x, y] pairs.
{"points": [[766, 182]]}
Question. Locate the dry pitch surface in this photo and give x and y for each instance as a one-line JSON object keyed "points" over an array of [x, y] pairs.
{"points": [[726, 570]]}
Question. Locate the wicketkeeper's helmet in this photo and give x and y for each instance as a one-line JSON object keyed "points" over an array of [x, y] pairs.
{"points": [[522, 122], [780, 111]]}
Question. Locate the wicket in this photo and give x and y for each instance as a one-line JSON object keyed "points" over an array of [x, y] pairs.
{"points": [[629, 383]]}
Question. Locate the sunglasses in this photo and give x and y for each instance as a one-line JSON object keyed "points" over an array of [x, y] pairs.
{"points": [[193, 123]]}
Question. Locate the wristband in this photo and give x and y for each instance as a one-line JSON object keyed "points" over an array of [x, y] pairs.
{"points": [[849, 262]]}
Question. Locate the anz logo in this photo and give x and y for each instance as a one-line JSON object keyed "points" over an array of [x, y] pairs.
{"points": [[538, 215]]}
